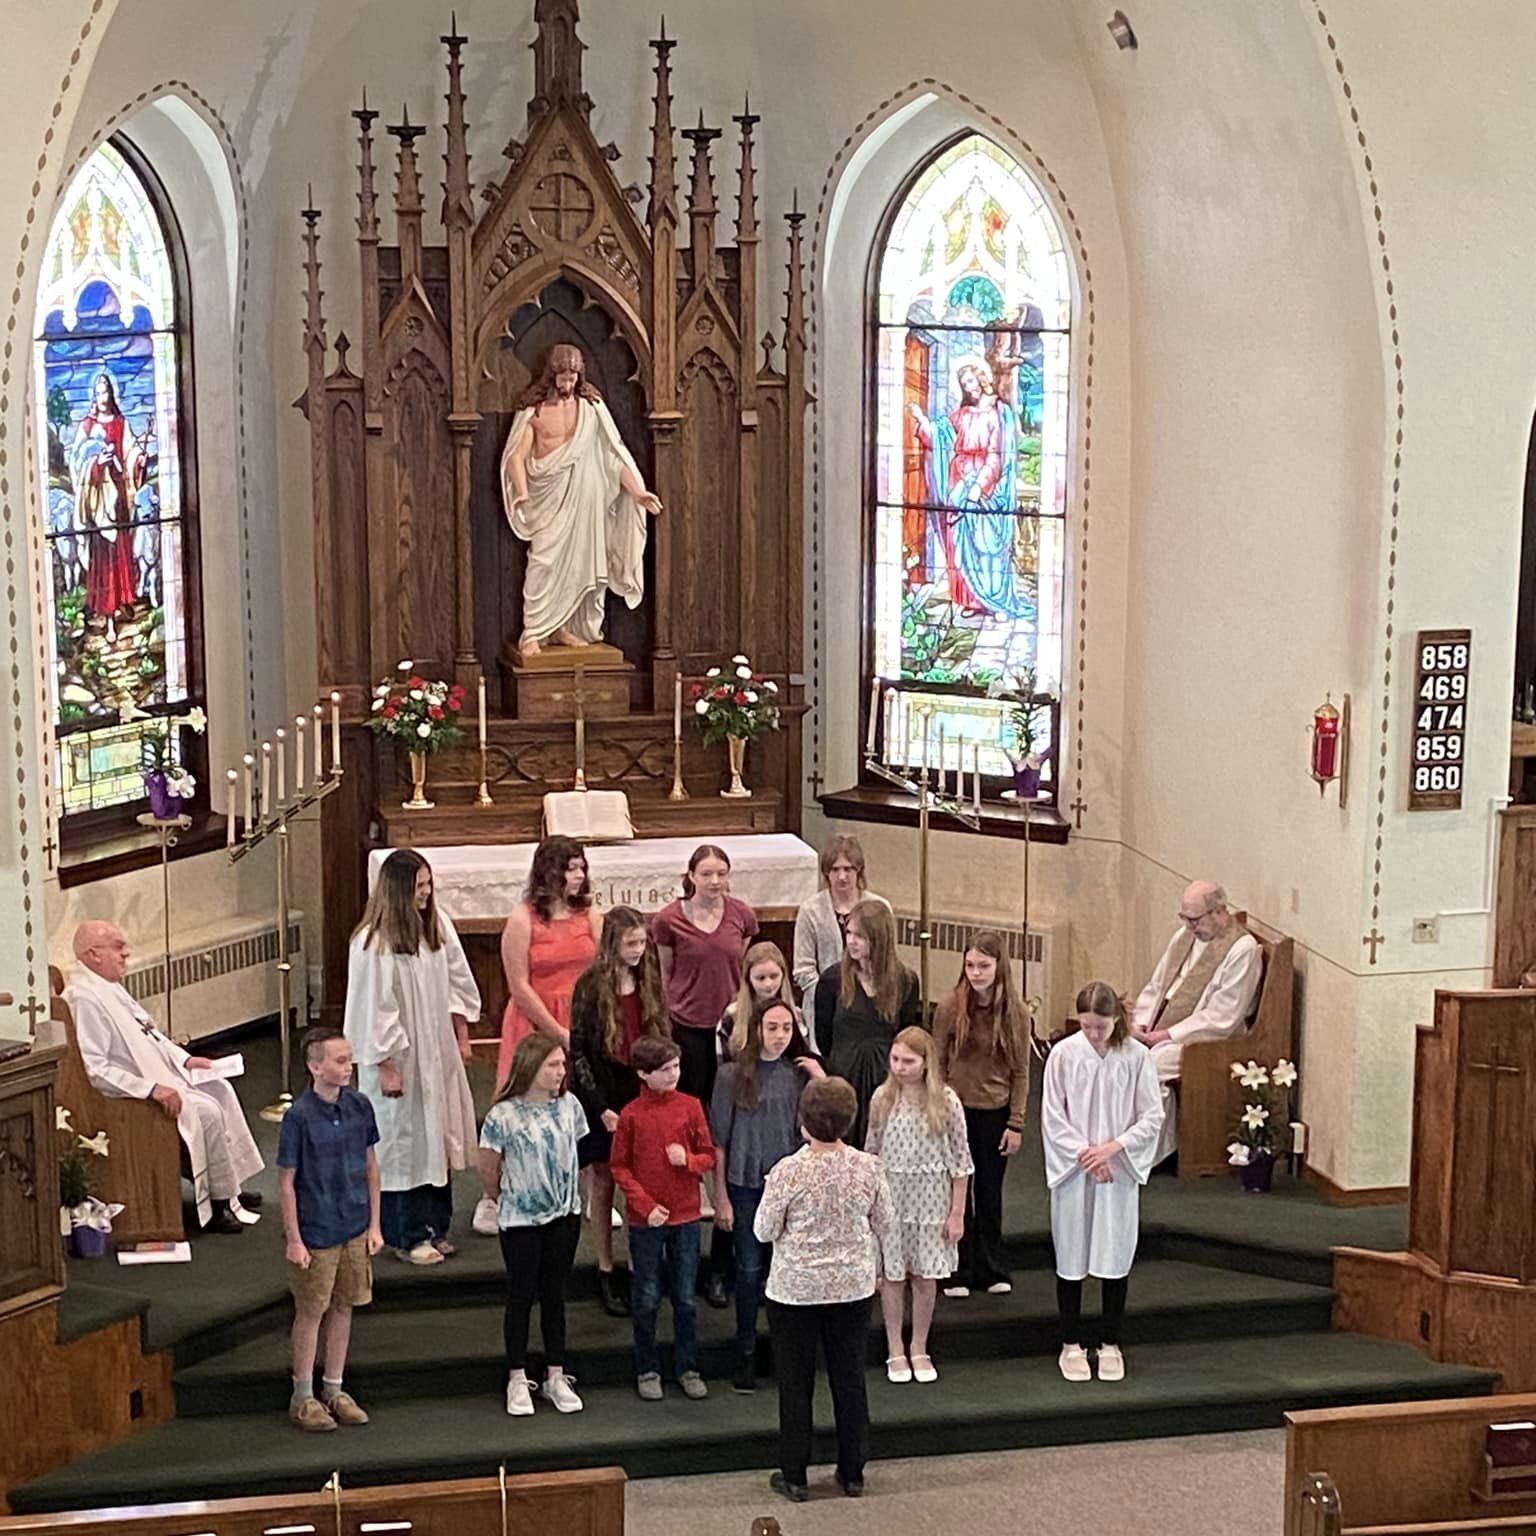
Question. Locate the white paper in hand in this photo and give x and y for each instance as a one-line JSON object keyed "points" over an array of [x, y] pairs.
{"points": [[223, 1067]]}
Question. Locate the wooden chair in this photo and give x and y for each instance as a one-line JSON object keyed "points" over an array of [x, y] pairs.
{"points": [[143, 1168], [1209, 1098]]}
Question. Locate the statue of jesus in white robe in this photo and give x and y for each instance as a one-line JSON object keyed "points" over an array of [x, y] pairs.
{"points": [[572, 489]]}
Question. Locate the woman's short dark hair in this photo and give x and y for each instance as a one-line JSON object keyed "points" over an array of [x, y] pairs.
{"points": [[650, 1053], [828, 1107]]}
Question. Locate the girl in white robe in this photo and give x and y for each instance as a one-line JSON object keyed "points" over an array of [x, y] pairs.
{"points": [[1100, 1115], [410, 1000]]}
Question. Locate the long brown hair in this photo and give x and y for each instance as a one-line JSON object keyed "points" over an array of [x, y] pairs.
{"points": [[546, 877], [1101, 998], [1005, 1019], [527, 1061], [740, 1009], [879, 928], [391, 916], [750, 1053], [935, 1100], [599, 983], [542, 389], [697, 857]]}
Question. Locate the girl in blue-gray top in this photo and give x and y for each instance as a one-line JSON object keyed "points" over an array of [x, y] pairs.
{"points": [[528, 1165]]}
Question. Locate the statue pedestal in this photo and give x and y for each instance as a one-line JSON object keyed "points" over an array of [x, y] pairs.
{"points": [[543, 687]]}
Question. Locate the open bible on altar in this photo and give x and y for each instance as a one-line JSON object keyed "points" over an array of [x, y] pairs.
{"points": [[590, 815]]}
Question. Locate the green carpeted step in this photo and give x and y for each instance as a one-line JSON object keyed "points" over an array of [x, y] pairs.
{"points": [[1177, 1388], [453, 1351]]}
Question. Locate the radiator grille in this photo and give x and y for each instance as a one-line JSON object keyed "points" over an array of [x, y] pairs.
{"points": [[224, 959], [954, 937]]}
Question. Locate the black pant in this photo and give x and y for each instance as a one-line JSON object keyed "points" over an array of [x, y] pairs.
{"points": [[843, 1329], [699, 1065], [981, 1245], [409, 1217], [538, 1261], [1069, 1302]]}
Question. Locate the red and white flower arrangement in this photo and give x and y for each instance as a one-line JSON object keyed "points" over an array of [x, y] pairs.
{"points": [[422, 715], [736, 703]]}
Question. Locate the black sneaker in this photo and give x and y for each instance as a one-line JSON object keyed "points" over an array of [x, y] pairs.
{"points": [[796, 1493], [745, 1379], [715, 1295], [611, 1290]]}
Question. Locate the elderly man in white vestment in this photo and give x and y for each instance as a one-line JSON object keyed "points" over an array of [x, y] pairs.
{"points": [[126, 1057], [1203, 988], [572, 489]]}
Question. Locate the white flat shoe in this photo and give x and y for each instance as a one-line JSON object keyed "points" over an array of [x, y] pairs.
{"points": [[924, 1371], [898, 1369], [1111, 1363], [422, 1253], [957, 1290], [1073, 1363], [1000, 1288]]}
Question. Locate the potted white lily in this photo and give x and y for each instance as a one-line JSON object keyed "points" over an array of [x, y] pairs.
{"points": [[83, 1219], [1264, 1119]]}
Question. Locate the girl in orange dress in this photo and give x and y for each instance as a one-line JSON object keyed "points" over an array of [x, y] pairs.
{"points": [[549, 940]]}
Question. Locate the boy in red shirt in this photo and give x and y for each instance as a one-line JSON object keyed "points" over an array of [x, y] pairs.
{"points": [[661, 1149]]}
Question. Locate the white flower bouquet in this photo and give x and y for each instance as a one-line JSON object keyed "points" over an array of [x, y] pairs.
{"points": [[1265, 1110]]}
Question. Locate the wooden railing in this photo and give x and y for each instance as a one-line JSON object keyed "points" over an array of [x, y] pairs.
{"points": [[586, 1503]]}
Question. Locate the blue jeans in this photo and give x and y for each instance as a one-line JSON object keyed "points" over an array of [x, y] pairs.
{"points": [[411, 1216], [678, 1249], [751, 1264]]}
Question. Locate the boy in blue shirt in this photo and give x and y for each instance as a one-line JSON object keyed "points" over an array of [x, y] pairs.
{"points": [[328, 1184]]}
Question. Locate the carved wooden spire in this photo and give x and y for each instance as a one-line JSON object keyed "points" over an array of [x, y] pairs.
{"points": [[794, 311], [746, 196], [663, 161], [557, 52], [701, 202], [367, 199], [314, 315], [408, 195], [458, 196], [746, 245]]}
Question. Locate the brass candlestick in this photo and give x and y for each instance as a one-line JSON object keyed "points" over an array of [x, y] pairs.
{"points": [[484, 796], [677, 792]]}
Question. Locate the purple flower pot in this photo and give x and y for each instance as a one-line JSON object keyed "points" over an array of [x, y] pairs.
{"points": [[163, 805], [1026, 783], [1258, 1173], [87, 1242]]}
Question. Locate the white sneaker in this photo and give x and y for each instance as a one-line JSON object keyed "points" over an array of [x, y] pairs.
{"points": [[1111, 1363], [559, 1391], [1000, 1288], [519, 1398], [484, 1221], [1073, 1362], [957, 1290]]}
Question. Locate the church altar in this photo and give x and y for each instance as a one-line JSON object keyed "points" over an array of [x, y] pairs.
{"points": [[478, 885]]}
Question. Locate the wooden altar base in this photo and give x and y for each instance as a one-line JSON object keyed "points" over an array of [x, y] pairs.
{"points": [[543, 687]]}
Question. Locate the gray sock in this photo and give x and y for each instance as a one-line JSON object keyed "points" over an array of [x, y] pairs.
{"points": [[329, 1389], [303, 1390]]}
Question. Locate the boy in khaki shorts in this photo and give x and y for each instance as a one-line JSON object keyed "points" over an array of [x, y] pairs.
{"points": [[328, 1182]]}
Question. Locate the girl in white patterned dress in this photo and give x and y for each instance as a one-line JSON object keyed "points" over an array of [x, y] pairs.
{"points": [[917, 1130]]}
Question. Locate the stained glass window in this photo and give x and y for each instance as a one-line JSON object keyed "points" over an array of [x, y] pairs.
{"points": [[108, 384], [972, 346]]}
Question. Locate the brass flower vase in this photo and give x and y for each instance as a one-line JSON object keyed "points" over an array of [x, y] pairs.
{"points": [[418, 800], [737, 746]]}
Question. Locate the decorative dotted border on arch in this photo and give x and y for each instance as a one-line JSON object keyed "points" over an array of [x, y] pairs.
{"points": [[11, 524], [1027, 152], [184, 89], [1389, 288]]}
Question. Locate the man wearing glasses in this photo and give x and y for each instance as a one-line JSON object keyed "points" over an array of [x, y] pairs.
{"points": [[1203, 988]]}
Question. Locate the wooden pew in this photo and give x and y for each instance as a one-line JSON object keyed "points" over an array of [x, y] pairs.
{"points": [[1209, 1099], [1401, 1468], [143, 1168], [585, 1503]]}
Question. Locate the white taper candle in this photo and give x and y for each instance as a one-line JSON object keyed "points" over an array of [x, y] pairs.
{"points": [[282, 764], [890, 726], [319, 749], [249, 761], [335, 733], [976, 777], [874, 714], [299, 723], [266, 778], [677, 707], [230, 779], [480, 691]]}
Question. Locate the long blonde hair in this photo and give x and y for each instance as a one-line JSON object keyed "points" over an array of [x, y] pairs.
{"points": [[879, 929], [740, 1009], [1005, 1019], [936, 1100]]}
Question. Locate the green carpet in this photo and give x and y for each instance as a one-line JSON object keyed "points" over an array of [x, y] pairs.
{"points": [[1183, 1388]]}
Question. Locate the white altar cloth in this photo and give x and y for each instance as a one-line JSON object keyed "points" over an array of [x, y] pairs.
{"points": [[479, 884]]}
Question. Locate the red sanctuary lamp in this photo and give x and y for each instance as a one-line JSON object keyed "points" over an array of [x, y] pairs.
{"points": [[1330, 745]]}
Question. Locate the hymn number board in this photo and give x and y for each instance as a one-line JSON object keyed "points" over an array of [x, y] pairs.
{"points": [[1438, 760]]}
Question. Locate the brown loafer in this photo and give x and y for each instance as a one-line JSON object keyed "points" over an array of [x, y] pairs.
{"points": [[312, 1415], [344, 1410]]}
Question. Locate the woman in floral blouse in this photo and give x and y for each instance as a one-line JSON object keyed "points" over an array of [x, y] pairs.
{"points": [[825, 1210]]}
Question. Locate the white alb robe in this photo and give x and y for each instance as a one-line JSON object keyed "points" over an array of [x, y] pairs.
{"points": [[400, 1008], [126, 1057], [1221, 1011], [1085, 1100], [585, 532]]}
